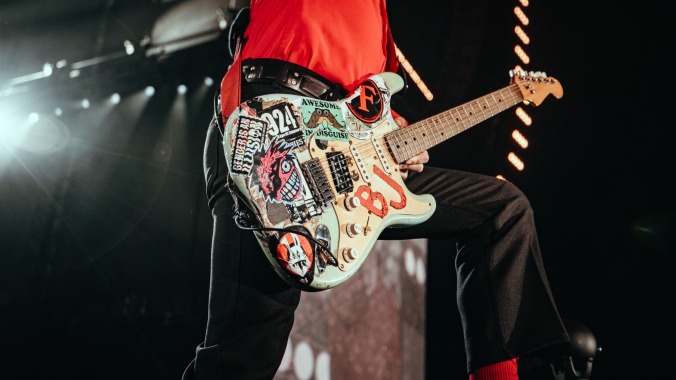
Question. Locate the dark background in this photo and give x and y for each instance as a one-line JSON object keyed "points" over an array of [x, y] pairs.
{"points": [[104, 243]]}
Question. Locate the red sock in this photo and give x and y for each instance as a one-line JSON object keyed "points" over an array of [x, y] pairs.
{"points": [[506, 370]]}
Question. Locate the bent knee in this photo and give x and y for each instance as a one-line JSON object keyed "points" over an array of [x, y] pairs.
{"points": [[516, 199]]}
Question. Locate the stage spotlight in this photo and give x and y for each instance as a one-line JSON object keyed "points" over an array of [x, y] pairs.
{"points": [[208, 81], [128, 47], [222, 18], [150, 91], [58, 111], [47, 69], [115, 98], [36, 133], [85, 103], [74, 73], [182, 89]]}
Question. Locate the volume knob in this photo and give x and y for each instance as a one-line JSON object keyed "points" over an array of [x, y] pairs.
{"points": [[349, 254], [352, 203], [353, 229]]}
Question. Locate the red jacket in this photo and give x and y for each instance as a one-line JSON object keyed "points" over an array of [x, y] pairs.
{"points": [[345, 41]]}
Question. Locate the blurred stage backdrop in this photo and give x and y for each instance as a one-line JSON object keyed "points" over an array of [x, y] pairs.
{"points": [[105, 231]]}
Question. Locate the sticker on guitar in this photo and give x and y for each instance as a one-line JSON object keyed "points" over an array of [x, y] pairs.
{"points": [[322, 177]]}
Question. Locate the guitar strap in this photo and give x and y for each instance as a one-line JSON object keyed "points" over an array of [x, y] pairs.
{"points": [[231, 87], [227, 100]]}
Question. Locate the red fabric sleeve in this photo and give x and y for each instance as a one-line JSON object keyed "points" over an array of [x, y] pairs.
{"points": [[396, 115]]}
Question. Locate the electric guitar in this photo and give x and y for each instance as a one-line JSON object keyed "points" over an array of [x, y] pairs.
{"points": [[322, 177]]}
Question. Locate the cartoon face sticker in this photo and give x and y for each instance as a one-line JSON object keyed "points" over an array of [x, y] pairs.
{"points": [[322, 116], [279, 176], [294, 252]]}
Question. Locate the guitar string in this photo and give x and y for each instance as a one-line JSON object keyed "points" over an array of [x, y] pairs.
{"points": [[367, 149], [402, 136]]}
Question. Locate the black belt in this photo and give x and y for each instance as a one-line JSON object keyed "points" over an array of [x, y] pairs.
{"points": [[289, 75]]}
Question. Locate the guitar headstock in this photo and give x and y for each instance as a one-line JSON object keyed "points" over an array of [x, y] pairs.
{"points": [[536, 86]]}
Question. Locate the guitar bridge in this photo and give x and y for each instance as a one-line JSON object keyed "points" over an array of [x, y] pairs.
{"points": [[317, 182]]}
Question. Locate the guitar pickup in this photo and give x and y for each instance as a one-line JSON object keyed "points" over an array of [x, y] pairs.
{"points": [[317, 182], [340, 172]]}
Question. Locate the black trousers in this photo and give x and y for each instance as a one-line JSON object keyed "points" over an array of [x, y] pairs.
{"points": [[506, 306]]}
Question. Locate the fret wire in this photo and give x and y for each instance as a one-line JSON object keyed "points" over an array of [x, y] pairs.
{"points": [[430, 132], [472, 112], [509, 94], [497, 103], [481, 108], [437, 134], [490, 109], [457, 118], [446, 121], [416, 140], [406, 142], [410, 146], [475, 104], [466, 114], [516, 91]]}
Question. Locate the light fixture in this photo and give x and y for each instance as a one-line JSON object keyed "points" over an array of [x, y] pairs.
{"points": [[128, 47], [47, 69]]}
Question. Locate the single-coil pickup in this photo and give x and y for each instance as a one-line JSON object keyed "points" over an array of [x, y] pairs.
{"points": [[381, 155], [361, 164]]}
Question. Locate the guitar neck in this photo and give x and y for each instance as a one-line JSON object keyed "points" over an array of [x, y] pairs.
{"points": [[406, 142]]}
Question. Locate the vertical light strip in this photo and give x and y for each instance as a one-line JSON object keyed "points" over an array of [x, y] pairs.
{"points": [[523, 41], [516, 161], [414, 75]]}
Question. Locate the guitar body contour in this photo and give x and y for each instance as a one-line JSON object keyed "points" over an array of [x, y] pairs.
{"points": [[322, 178], [320, 173]]}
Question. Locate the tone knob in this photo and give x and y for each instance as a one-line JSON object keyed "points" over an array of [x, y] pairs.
{"points": [[349, 254], [353, 229], [352, 203]]}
